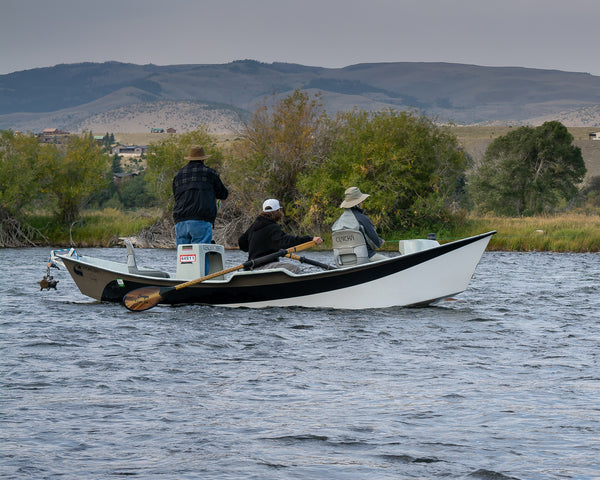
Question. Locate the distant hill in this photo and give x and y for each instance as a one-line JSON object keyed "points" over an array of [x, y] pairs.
{"points": [[117, 97]]}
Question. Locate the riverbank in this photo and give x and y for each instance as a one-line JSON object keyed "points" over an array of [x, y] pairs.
{"points": [[570, 232]]}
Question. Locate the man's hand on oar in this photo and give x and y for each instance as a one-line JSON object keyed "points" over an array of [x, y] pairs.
{"points": [[147, 297]]}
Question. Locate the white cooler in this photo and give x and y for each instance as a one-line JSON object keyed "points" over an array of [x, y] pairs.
{"points": [[192, 260]]}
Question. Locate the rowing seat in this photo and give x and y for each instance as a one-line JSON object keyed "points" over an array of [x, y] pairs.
{"points": [[132, 264], [349, 248]]}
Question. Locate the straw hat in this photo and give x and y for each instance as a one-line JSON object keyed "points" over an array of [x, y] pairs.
{"points": [[352, 197], [196, 153]]}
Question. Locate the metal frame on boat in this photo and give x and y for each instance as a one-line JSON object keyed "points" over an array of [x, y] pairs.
{"points": [[418, 278]]}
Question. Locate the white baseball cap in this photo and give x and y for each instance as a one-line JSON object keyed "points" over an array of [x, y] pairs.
{"points": [[270, 205]]}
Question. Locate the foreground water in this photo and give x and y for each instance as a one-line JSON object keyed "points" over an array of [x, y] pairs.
{"points": [[502, 382]]}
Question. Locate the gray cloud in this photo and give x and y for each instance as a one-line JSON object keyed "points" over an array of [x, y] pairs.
{"points": [[548, 34]]}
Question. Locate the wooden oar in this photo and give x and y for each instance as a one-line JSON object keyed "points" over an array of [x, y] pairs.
{"points": [[310, 261], [147, 297]]}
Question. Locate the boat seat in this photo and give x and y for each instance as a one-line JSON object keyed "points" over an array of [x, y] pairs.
{"points": [[349, 248], [132, 264]]}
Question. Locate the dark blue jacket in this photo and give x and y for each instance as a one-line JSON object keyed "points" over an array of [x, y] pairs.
{"points": [[266, 236], [196, 188]]}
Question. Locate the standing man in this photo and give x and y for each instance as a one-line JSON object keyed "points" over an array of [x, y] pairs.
{"points": [[196, 188]]}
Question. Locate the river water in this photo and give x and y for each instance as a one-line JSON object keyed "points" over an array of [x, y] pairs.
{"points": [[503, 382]]}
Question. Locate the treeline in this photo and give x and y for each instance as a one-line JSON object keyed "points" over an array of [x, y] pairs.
{"points": [[418, 176], [60, 180]]}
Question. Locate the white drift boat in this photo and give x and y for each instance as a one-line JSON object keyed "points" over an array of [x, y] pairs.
{"points": [[431, 272]]}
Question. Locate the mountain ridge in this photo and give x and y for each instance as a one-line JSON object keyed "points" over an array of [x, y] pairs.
{"points": [[71, 96]]}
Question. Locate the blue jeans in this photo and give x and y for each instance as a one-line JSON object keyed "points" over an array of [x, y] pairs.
{"points": [[194, 231]]}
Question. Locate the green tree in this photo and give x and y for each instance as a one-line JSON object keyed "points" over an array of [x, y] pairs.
{"points": [[73, 172], [528, 171], [105, 197], [283, 140], [116, 164], [19, 187], [591, 192], [19, 172], [411, 167], [135, 192], [167, 156]]}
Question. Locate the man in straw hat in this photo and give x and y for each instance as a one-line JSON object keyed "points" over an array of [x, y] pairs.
{"points": [[354, 218], [196, 188]]}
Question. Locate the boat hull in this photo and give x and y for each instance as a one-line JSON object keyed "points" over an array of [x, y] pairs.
{"points": [[415, 279]]}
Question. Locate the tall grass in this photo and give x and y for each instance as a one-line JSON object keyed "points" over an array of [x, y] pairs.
{"points": [[571, 232], [98, 228], [568, 232]]}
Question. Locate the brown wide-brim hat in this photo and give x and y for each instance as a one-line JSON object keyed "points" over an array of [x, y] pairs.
{"points": [[353, 196], [197, 153]]}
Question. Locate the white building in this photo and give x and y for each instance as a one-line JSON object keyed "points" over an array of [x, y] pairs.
{"points": [[129, 150]]}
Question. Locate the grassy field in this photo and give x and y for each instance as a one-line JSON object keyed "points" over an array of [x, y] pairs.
{"points": [[147, 138], [101, 228], [569, 232]]}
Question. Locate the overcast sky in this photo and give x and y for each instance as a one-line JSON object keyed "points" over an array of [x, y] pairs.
{"points": [[547, 34]]}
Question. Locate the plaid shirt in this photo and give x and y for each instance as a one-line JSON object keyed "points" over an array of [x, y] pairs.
{"points": [[196, 188]]}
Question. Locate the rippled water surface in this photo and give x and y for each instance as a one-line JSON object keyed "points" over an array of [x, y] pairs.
{"points": [[502, 382]]}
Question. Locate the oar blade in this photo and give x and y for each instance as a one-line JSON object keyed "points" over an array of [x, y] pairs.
{"points": [[142, 298]]}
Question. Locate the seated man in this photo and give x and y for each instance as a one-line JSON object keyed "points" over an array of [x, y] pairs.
{"points": [[265, 235], [354, 218]]}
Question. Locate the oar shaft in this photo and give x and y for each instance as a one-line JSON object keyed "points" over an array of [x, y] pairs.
{"points": [[257, 262], [208, 277], [146, 297], [310, 261]]}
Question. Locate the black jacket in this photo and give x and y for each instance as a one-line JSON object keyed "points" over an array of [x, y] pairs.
{"points": [[266, 236], [196, 188]]}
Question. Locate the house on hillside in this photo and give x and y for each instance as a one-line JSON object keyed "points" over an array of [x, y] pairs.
{"points": [[157, 130], [129, 150], [52, 135], [53, 131], [171, 130], [595, 136]]}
